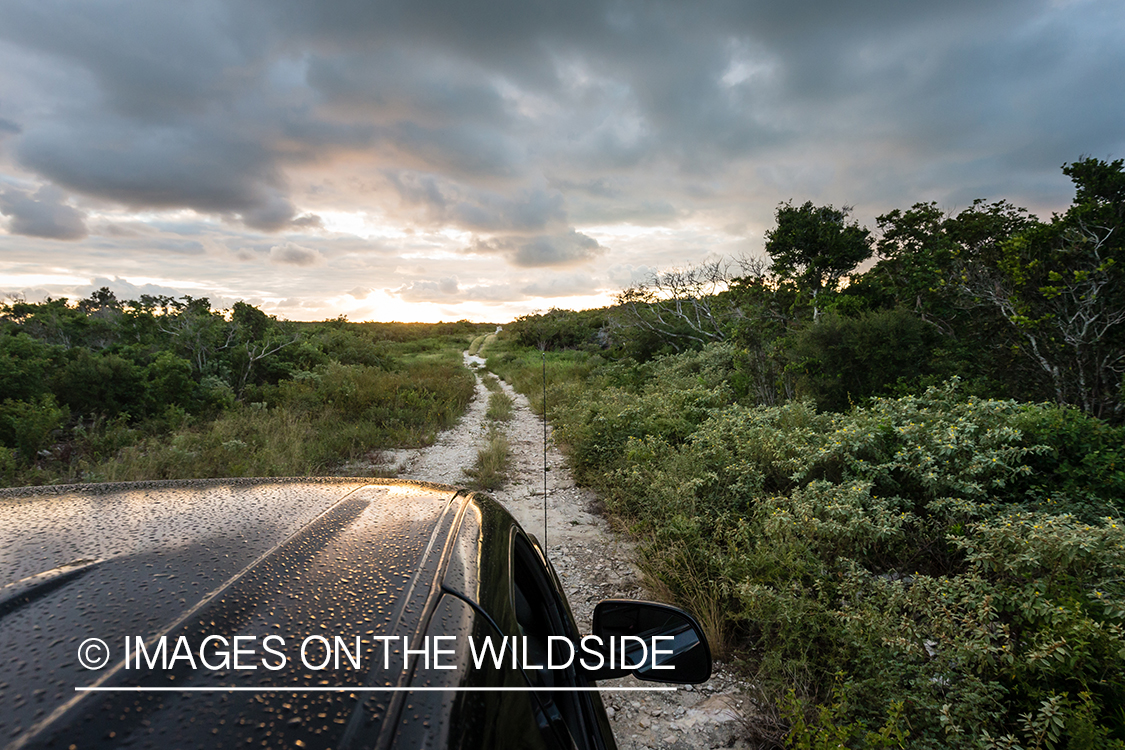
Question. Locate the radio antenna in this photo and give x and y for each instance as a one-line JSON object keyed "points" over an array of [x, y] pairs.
{"points": [[544, 449]]}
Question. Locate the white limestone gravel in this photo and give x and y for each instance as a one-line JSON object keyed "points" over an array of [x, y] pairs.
{"points": [[594, 563]]}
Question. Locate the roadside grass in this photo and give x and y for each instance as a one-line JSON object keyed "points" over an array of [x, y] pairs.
{"points": [[492, 466], [522, 368], [485, 344], [500, 407], [311, 425], [474, 347], [491, 382], [493, 463]]}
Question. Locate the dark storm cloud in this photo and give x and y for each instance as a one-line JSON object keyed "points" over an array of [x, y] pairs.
{"points": [[562, 249], [290, 253], [395, 83], [42, 214], [152, 61], [212, 168], [442, 201], [516, 119]]}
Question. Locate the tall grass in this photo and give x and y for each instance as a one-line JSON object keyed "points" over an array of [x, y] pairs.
{"points": [[491, 382], [486, 344], [310, 425], [523, 370], [490, 472], [492, 466], [499, 407]]}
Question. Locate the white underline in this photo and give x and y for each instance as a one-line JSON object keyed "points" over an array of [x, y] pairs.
{"points": [[369, 689]]}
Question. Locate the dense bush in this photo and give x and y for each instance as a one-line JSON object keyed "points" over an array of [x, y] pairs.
{"points": [[157, 387], [27, 425], [840, 361], [939, 570], [556, 329], [25, 364]]}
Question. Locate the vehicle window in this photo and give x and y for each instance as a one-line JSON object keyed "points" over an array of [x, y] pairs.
{"points": [[540, 614], [468, 720]]}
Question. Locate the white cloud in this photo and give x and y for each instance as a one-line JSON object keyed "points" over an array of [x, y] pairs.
{"points": [[290, 253]]}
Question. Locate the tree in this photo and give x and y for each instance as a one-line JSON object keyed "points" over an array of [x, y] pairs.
{"points": [[259, 336], [683, 308], [1061, 289], [198, 332], [816, 247]]}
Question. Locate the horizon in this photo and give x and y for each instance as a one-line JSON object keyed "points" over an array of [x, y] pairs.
{"points": [[452, 161]]}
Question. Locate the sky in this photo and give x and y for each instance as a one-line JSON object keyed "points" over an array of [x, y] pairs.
{"points": [[481, 160]]}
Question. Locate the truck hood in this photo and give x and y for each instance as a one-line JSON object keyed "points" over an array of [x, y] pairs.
{"points": [[184, 561]]}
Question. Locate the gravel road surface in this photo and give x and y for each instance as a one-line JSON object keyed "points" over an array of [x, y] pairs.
{"points": [[594, 563]]}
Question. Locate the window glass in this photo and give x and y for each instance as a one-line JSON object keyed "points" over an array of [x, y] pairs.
{"points": [[539, 614]]}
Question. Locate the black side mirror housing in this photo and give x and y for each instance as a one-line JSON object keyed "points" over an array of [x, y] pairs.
{"points": [[651, 641]]}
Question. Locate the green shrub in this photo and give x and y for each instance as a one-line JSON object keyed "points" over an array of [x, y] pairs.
{"points": [[168, 381], [840, 361], [25, 364], [559, 329], [1083, 466], [500, 407], [8, 465], [926, 570], [490, 471], [100, 384], [216, 393], [27, 425]]}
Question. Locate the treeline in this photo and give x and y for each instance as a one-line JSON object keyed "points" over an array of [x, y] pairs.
{"points": [[105, 388], [929, 571], [896, 497], [1015, 306]]}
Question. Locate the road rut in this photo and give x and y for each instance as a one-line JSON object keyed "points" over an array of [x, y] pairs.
{"points": [[593, 561]]}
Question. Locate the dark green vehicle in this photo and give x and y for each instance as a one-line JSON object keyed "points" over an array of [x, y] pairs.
{"points": [[304, 613]]}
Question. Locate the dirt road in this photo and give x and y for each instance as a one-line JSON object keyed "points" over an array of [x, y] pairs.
{"points": [[593, 562]]}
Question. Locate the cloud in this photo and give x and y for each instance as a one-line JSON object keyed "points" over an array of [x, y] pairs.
{"points": [[416, 124], [42, 214], [440, 290], [308, 221], [290, 253], [214, 106], [443, 202], [123, 289], [448, 290], [219, 171], [562, 249], [570, 285]]}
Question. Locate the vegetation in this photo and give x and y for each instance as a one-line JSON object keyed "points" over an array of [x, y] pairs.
{"points": [[897, 501], [163, 388], [490, 471], [896, 496], [493, 463], [500, 407]]}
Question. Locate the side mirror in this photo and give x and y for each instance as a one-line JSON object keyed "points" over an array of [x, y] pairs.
{"points": [[653, 642]]}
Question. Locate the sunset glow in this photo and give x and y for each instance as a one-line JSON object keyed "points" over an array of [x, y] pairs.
{"points": [[436, 161]]}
